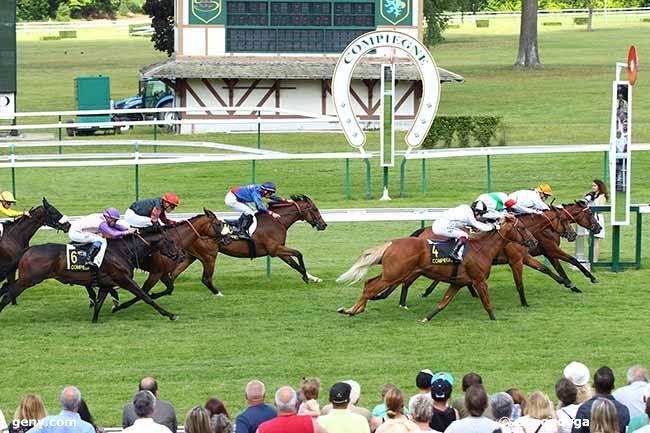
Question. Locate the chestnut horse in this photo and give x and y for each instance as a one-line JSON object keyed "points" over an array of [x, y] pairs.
{"points": [[407, 258], [548, 245]]}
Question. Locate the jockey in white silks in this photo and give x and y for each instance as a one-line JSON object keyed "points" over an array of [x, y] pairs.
{"points": [[532, 200]]}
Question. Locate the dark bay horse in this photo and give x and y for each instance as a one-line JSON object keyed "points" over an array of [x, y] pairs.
{"points": [[184, 233], [407, 258], [548, 244], [268, 239], [42, 262]]}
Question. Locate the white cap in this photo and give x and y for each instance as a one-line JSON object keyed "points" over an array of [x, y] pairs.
{"points": [[577, 372], [355, 392]]}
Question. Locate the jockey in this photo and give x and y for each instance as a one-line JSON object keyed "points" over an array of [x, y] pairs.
{"points": [[453, 220], [237, 198], [151, 211], [532, 200], [6, 201], [96, 228], [498, 205]]}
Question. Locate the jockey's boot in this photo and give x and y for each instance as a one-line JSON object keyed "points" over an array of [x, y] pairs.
{"points": [[92, 253], [457, 253], [244, 223]]}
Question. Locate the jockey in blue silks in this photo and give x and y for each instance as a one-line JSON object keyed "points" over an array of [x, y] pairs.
{"points": [[239, 197]]}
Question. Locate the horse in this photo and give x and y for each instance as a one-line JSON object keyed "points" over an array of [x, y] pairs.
{"points": [[548, 245], [407, 258], [184, 234], [42, 262], [267, 240]]}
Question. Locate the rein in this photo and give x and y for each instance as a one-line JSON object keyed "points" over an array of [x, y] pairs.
{"points": [[193, 229]]}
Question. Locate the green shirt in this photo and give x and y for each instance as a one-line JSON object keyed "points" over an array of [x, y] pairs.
{"points": [[344, 421], [637, 422]]}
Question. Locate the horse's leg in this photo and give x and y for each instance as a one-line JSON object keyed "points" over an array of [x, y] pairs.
{"points": [[92, 296], [371, 290], [103, 292], [482, 289], [451, 292], [208, 263], [127, 283], [19, 286], [151, 281], [405, 290], [532, 262], [429, 289], [286, 254], [517, 266], [575, 262], [115, 297]]}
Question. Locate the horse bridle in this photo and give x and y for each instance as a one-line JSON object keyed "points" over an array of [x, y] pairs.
{"points": [[58, 224], [583, 210]]}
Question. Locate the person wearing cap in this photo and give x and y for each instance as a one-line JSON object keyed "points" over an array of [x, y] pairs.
{"points": [[423, 383], [95, 229], [641, 421], [239, 198], [443, 415], [6, 201], [631, 395], [498, 205], [340, 419], [288, 421], [152, 211], [452, 222], [578, 374], [355, 396], [603, 385], [532, 200]]}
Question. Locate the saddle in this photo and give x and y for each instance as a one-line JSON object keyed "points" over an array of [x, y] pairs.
{"points": [[238, 227], [78, 255], [442, 251]]}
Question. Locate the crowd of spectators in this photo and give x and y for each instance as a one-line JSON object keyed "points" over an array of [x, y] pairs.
{"points": [[582, 407]]}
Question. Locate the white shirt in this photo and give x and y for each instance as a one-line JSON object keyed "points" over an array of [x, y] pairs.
{"points": [[531, 424], [491, 202], [632, 397], [473, 424], [463, 216], [565, 417], [146, 425], [528, 201], [3, 422], [645, 429], [88, 223]]}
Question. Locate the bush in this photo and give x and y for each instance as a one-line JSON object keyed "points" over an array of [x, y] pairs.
{"points": [[50, 38], [645, 20], [63, 12], [483, 129], [134, 6], [580, 21], [32, 10], [124, 9], [68, 34], [552, 23], [482, 24], [453, 26]]}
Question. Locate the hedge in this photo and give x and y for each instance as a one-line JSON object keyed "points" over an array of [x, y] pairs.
{"points": [[460, 130], [580, 21], [67, 34], [482, 23], [552, 23]]}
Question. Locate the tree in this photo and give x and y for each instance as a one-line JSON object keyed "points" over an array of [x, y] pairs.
{"points": [[162, 21], [528, 56], [436, 21]]}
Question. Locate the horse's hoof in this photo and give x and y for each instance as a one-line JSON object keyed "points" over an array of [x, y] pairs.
{"points": [[115, 308], [92, 304], [342, 310], [574, 289], [594, 281], [218, 294], [492, 316], [404, 307], [173, 317], [425, 320], [525, 305]]}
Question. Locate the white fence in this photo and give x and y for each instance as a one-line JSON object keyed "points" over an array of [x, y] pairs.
{"points": [[640, 12]]}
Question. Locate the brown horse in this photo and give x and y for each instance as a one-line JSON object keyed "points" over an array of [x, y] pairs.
{"points": [[407, 258], [42, 262], [185, 233], [268, 240], [548, 245]]}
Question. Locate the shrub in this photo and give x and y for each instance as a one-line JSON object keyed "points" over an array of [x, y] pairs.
{"points": [[552, 23], [50, 38], [482, 23], [580, 21], [483, 129], [63, 12], [134, 6], [67, 34], [645, 20]]}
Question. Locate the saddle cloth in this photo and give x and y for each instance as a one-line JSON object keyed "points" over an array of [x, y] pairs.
{"points": [[76, 254], [441, 250]]}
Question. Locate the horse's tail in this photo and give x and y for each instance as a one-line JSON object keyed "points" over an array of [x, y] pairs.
{"points": [[417, 233], [360, 268]]}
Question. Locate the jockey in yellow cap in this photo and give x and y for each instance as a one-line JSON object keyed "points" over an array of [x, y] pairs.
{"points": [[532, 200], [7, 200]]}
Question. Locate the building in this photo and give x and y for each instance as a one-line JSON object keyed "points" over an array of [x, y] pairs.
{"points": [[281, 54]]}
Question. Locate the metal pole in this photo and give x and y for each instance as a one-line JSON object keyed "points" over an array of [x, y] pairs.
{"points": [[13, 170], [385, 177], [155, 137], [368, 188], [402, 171], [489, 174], [259, 146], [268, 266], [616, 248], [347, 178], [60, 133], [637, 253], [605, 160], [137, 171], [424, 175]]}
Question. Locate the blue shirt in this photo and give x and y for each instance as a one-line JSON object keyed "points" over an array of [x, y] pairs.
{"points": [[252, 194], [65, 422], [251, 418], [584, 413]]}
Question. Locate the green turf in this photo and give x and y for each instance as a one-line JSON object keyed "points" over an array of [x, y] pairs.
{"points": [[280, 329]]}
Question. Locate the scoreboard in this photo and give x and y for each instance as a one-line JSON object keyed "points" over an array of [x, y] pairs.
{"points": [[301, 26]]}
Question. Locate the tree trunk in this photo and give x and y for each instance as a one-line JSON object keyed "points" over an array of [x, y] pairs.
{"points": [[590, 16], [528, 56]]}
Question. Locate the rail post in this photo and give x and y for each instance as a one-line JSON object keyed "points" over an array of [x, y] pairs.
{"points": [[402, 174], [616, 249], [605, 157], [12, 158], [637, 252], [347, 178], [60, 132], [368, 187], [137, 170], [259, 146], [268, 266], [424, 175], [489, 174]]}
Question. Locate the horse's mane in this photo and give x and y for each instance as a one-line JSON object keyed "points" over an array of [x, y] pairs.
{"points": [[153, 230], [295, 197], [474, 237], [11, 223]]}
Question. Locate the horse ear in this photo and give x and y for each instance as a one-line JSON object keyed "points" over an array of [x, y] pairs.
{"points": [[45, 202], [209, 213]]}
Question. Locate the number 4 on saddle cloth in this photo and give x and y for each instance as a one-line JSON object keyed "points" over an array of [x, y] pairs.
{"points": [[442, 252], [78, 255]]}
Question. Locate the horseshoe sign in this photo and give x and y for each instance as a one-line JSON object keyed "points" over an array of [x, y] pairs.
{"points": [[343, 75], [7, 105]]}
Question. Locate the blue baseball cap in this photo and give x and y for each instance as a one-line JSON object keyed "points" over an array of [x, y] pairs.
{"points": [[443, 375]]}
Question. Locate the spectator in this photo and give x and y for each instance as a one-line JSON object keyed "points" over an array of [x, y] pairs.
{"points": [[603, 385], [379, 411], [68, 421], [214, 406], [144, 404], [309, 389], [519, 399], [459, 404], [30, 411], [421, 411], [578, 373], [164, 412], [476, 403], [642, 428], [632, 394], [395, 420], [641, 420], [423, 383], [287, 420], [257, 411], [603, 417], [566, 393], [85, 415], [355, 396], [221, 424], [539, 415], [443, 414], [502, 404], [197, 420], [3, 422], [341, 419]]}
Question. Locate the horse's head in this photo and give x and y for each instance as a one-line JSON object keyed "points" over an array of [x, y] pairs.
{"points": [[53, 218], [511, 229], [309, 211], [216, 228], [581, 214]]}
